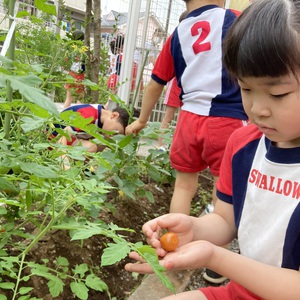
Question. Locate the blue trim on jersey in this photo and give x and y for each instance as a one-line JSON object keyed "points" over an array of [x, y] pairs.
{"points": [[241, 164], [177, 55], [200, 10], [224, 197], [291, 249], [282, 155], [158, 80], [76, 107], [230, 89], [99, 124]]}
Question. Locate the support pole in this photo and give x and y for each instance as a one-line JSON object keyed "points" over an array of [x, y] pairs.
{"points": [[11, 56]]}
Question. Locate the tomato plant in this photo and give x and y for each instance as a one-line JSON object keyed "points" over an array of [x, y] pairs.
{"points": [[169, 241]]}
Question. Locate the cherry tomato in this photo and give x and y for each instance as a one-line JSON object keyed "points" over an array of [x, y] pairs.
{"points": [[169, 241]]}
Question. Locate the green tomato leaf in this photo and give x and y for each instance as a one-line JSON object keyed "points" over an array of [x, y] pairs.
{"points": [[96, 283], [79, 289], [7, 285], [149, 196], [8, 187], [55, 284], [154, 174], [45, 7], [62, 261], [159, 270], [81, 270], [56, 287], [37, 110], [26, 86], [39, 170], [30, 124], [146, 249], [125, 141], [114, 253], [25, 290]]}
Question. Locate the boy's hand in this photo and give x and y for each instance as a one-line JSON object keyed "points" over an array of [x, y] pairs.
{"points": [[193, 255], [181, 224], [135, 127]]}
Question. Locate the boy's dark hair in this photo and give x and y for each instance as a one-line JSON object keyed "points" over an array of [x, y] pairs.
{"points": [[264, 40], [123, 115], [78, 35], [117, 43]]}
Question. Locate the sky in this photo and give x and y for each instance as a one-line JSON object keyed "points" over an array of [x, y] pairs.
{"points": [[158, 7], [118, 5]]}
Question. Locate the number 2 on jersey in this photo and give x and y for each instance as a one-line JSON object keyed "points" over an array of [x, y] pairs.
{"points": [[202, 29]]}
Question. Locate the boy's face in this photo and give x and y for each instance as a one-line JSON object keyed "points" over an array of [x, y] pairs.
{"points": [[112, 124], [273, 104]]}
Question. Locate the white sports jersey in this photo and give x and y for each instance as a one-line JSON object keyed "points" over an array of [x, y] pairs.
{"points": [[194, 54], [263, 184]]}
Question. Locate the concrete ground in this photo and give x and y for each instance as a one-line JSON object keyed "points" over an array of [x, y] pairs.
{"points": [[152, 289]]}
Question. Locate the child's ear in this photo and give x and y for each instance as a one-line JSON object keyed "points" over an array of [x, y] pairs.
{"points": [[115, 115]]}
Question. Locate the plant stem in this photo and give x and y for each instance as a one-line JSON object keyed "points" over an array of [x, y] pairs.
{"points": [[35, 240]]}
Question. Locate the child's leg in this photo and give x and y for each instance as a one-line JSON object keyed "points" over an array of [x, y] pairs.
{"points": [[185, 188], [192, 295]]}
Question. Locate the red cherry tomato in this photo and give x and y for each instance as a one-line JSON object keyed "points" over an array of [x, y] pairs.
{"points": [[169, 241]]}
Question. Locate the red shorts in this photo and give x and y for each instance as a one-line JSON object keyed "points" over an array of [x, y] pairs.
{"points": [[231, 291], [172, 94], [199, 142], [79, 87]]}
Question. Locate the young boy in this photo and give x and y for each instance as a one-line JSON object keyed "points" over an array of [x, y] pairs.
{"points": [[115, 120], [259, 186]]}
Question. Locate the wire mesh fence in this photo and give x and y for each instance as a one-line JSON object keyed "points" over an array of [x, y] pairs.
{"points": [[157, 20]]}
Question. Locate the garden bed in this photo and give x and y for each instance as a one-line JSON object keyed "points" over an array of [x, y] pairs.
{"points": [[128, 214]]}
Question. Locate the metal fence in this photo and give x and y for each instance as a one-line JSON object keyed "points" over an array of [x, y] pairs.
{"points": [[162, 15], [157, 13]]}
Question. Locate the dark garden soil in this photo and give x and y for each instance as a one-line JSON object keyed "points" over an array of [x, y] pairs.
{"points": [[128, 214]]}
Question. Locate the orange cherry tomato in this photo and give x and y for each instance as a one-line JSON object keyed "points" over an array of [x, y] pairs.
{"points": [[169, 241]]}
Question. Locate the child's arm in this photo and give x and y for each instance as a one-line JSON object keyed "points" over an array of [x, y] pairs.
{"points": [[198, 238], [266, 281], [150, 98]]}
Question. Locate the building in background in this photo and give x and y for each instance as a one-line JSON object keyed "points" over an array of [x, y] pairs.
{"points": [[74, 11]]}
